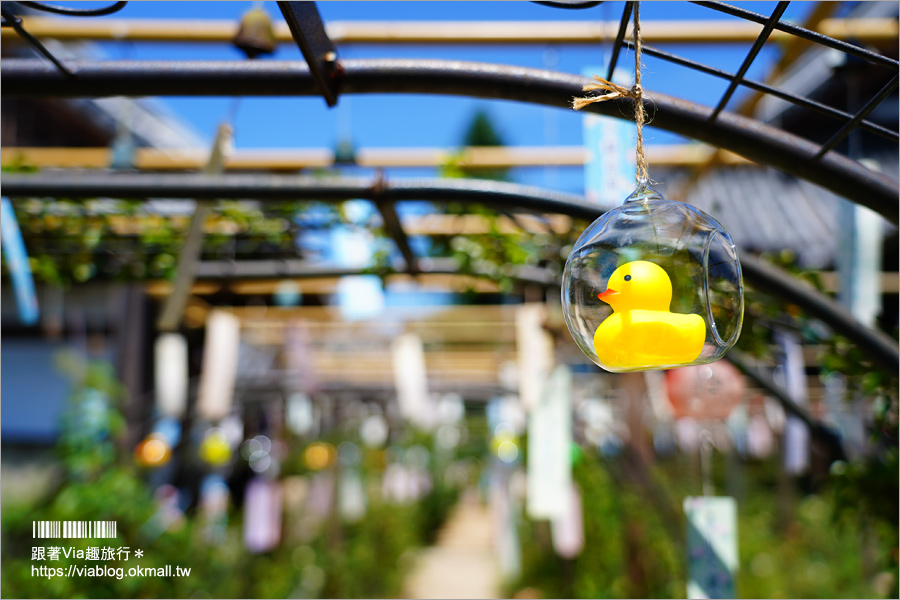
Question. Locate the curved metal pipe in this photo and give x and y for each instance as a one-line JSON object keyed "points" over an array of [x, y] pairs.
{"points": [[820, 431], [875, 344], [293, 187], [298, 269], [747, 137], [767, 278]]}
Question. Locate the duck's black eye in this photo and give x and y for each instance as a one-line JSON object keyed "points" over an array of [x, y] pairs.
{"points": [[628, 278]]}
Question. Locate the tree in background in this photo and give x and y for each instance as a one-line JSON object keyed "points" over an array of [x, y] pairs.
{"points": [[481, 132]]}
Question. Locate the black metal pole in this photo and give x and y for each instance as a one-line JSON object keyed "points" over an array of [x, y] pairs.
{"points": [[765, 381], [749, 138], [293, 187]]}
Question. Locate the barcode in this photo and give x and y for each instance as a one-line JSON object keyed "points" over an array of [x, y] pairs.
{"points": [[73, 529]]}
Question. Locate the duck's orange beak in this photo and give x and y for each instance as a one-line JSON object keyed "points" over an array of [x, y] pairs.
{"points": [[609, 292]]}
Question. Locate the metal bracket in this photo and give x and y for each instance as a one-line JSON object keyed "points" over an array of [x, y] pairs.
{"points": [[11, 20], [392, 223], [319, 51]]}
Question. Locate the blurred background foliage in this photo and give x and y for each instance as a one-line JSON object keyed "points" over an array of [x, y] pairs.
{"points": [[632, 549], [827, 544], [376, 551], [73, 242], [836, 539], [815, 546]]}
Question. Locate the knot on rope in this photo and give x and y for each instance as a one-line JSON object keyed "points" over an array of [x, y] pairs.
{"points": [[615, 91]]}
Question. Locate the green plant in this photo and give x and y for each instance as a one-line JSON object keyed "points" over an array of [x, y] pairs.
{"points": [[100, 482]]}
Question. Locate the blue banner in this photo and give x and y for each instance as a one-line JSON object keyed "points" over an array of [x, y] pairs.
{"points": [[610, 143], [17, 262]]}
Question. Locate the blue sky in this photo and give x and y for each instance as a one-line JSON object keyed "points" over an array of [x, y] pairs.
{"points": [[421, 120]]}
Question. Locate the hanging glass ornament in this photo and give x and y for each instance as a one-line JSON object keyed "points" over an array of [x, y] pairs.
{"points": [[653, 284]]}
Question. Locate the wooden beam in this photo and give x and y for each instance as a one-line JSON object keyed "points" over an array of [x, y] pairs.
{"points": [[450, 316], [161, 289], [266, 159], [432, 224], [437, 224], [890, 283], [868, 30], [329, 285], [532, 32], [445, 32]]}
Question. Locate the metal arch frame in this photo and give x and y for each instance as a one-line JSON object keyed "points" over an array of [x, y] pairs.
{"points": [[803, 33], [876, 345], [850, 121], [294, 187], [298, 269], [819, 430], [756, 141]]}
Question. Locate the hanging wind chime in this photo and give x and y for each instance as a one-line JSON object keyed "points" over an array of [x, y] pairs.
{"points": [[654, 283]]}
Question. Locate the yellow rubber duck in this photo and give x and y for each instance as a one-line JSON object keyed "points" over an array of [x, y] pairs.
{"points": [[641, 332]]}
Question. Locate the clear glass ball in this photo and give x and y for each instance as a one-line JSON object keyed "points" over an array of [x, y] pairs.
{"points": [[653, 284]]}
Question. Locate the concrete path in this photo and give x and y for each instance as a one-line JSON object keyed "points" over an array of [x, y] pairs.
{"points": [[461, 564]]}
